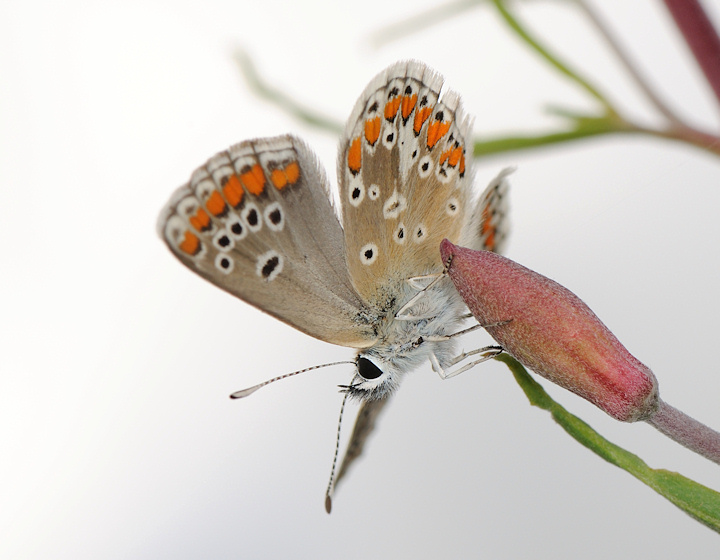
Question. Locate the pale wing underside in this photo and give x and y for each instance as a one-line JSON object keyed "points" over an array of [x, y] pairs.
{"points": [[257, 221], [491, 221], [403, 182], [364, 426]]}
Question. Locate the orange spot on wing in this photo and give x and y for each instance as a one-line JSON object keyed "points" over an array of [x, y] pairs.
{"points": [[354, 156], [489, 242], [391, 108], [461, 169], [200, 221], [190, 243], [455, 156], [278, 178], [436, 130], [233, 191], [281, 178], [487, 230], [215, 204], [372, 130], [445, 156], [292, 172], [408, 104], [254, 180], [421, 115]]}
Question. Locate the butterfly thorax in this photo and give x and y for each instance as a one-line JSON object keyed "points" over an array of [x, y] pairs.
{"points": [[405, 344]]}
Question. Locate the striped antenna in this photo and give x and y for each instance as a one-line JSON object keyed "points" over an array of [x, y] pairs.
{"points": [[250, 390]]}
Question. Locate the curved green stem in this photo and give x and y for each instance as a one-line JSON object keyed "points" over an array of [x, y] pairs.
{"points": [[553, 60], [587, 127], [698, 501], [266, 91]]}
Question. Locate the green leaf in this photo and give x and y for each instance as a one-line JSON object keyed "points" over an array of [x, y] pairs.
{"points": [[698, 501]]}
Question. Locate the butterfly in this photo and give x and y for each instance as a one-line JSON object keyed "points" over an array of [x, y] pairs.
{"points": [[258, 221]]}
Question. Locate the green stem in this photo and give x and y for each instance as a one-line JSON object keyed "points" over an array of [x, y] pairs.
{"points": [[587, 127], [698, 501], [279, 98], [553, 60]]}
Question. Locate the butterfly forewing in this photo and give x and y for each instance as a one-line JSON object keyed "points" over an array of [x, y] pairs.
{"points": [[257, 221]]}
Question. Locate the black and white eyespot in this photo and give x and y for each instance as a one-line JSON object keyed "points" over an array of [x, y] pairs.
{"points": [[400, 234], [236, 228], [373, 192], [452, 207], [224, 263], [269, 265], [223, 241], [394, 205], [420, 233], [356, 192], [445, 173], [425, 167], [251, 216], [389, 136], [368, 253], [274, 216]]}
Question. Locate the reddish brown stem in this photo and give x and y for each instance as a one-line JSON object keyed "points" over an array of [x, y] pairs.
{"points": [[687, 431], [701, 37]]}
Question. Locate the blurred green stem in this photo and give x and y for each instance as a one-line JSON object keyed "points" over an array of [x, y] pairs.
{"points": [[551, 59]]}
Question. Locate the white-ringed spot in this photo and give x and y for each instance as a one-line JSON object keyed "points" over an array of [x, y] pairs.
{"points": [[389, 136], [394, 205], [269, 265], [425, 167], [368, 253], [400, 234], [274, 216], [452, 207], [251, 216], [223, 241], [444, 173], [224, 263], [236, 227], [420, 234], [374, 192], [356, 192]]}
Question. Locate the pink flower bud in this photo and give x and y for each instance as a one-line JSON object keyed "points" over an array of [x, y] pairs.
{"points": [[552, 332]]}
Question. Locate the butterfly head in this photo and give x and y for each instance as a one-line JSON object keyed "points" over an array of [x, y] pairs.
{"points": [[379, 369], [374, 378]]}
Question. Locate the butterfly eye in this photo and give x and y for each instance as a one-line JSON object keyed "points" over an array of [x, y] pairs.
{"points": [[368, 370]]}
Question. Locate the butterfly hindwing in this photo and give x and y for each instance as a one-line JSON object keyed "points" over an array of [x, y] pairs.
{"points": [[492, 223], [402, 179]]}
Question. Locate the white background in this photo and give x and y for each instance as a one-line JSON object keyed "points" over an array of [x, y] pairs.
{"points": [[117, 436]]}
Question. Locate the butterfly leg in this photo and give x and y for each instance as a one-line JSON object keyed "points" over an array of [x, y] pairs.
{"points": [[417, 283], [488, 352], [440, 338]]}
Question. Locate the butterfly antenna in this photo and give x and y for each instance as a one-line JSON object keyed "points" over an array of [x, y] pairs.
{"points": [[250, 390], [331, 482]]}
